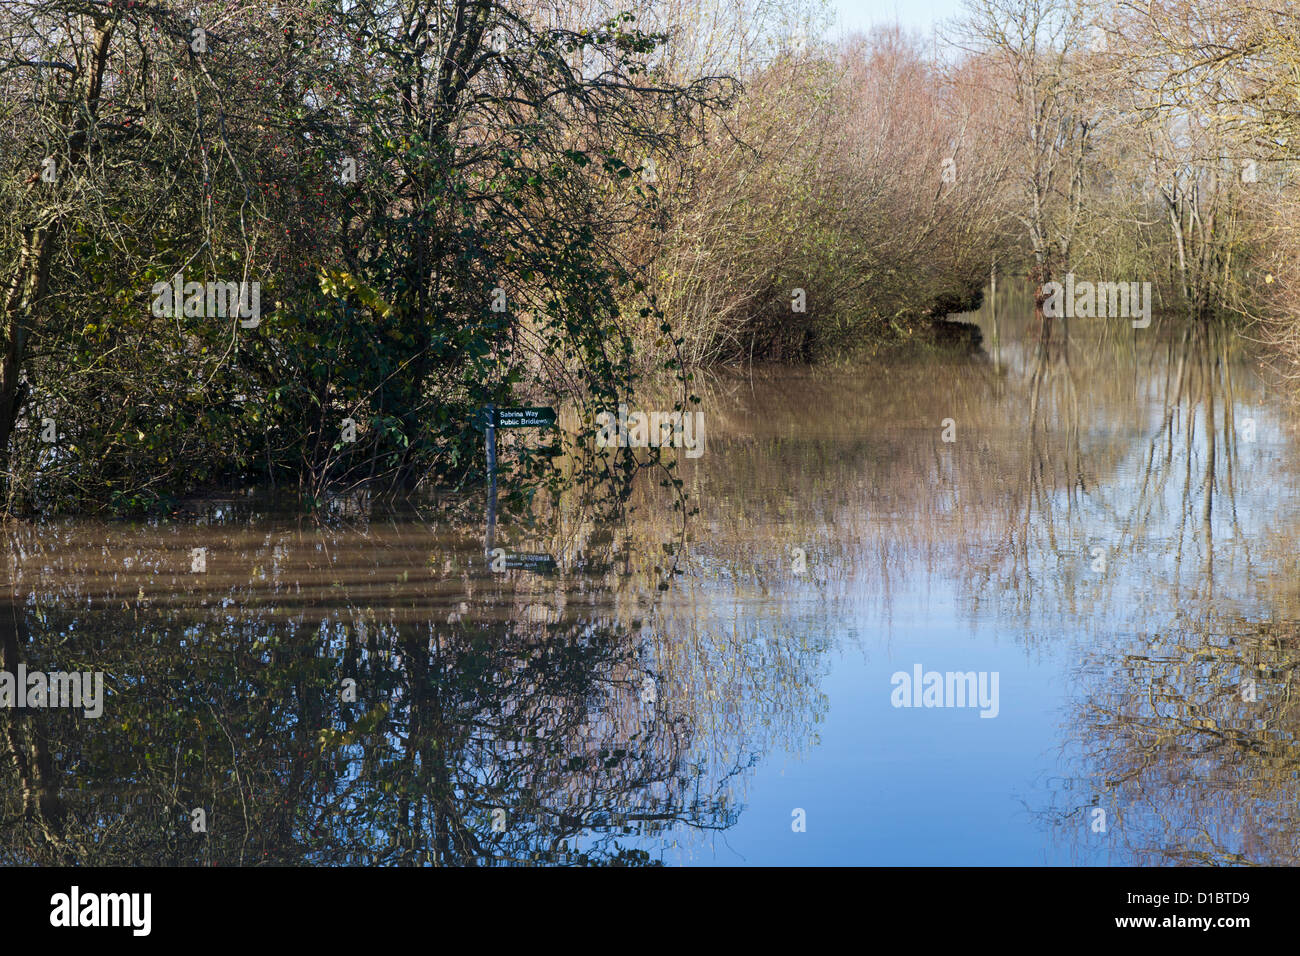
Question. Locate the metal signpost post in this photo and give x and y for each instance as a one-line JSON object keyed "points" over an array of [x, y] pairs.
{"points": [[509, 418]]}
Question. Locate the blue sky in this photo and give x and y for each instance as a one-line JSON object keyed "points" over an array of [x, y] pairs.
{"points": [[911, 14]]}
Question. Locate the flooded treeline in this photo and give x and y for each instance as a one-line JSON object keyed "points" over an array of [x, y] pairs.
{"points": [[303, 247]]}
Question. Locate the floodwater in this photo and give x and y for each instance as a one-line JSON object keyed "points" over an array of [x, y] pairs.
{"points": [[1106, 545]]}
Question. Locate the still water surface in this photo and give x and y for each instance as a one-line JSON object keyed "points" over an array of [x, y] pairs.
{"points": [[1111, 533]]}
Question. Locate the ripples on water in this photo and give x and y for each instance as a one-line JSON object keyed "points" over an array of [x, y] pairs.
{"points": [[1112, 533]]}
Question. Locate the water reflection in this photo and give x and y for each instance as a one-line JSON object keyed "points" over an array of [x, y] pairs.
{"points": [[389, 725], [1113, 520], [1182, 726]]}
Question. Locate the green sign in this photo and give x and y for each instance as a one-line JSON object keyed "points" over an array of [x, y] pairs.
{"points": [[528, 561], [523, 417]]}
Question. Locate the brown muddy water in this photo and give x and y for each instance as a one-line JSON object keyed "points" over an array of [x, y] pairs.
{"points": [[1103, 559]]}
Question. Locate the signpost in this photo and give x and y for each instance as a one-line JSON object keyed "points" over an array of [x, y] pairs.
{"points": [[494, 418], [490, 442], [522, 417], [529, 561]]}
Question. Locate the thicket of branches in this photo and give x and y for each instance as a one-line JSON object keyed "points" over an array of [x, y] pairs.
{"points": [[427, 193], [451, 203]]}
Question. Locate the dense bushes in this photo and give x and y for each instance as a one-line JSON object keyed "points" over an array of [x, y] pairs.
{"points": [[451, 203], [829, 177], [426, 193]]}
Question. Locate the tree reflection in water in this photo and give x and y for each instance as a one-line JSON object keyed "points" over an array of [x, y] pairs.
{"points": [[613, 708], [497, 718], [1181, 725]]}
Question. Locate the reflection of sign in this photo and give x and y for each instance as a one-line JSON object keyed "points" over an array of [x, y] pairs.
{"points": [[523, 417], [526, 561]]}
